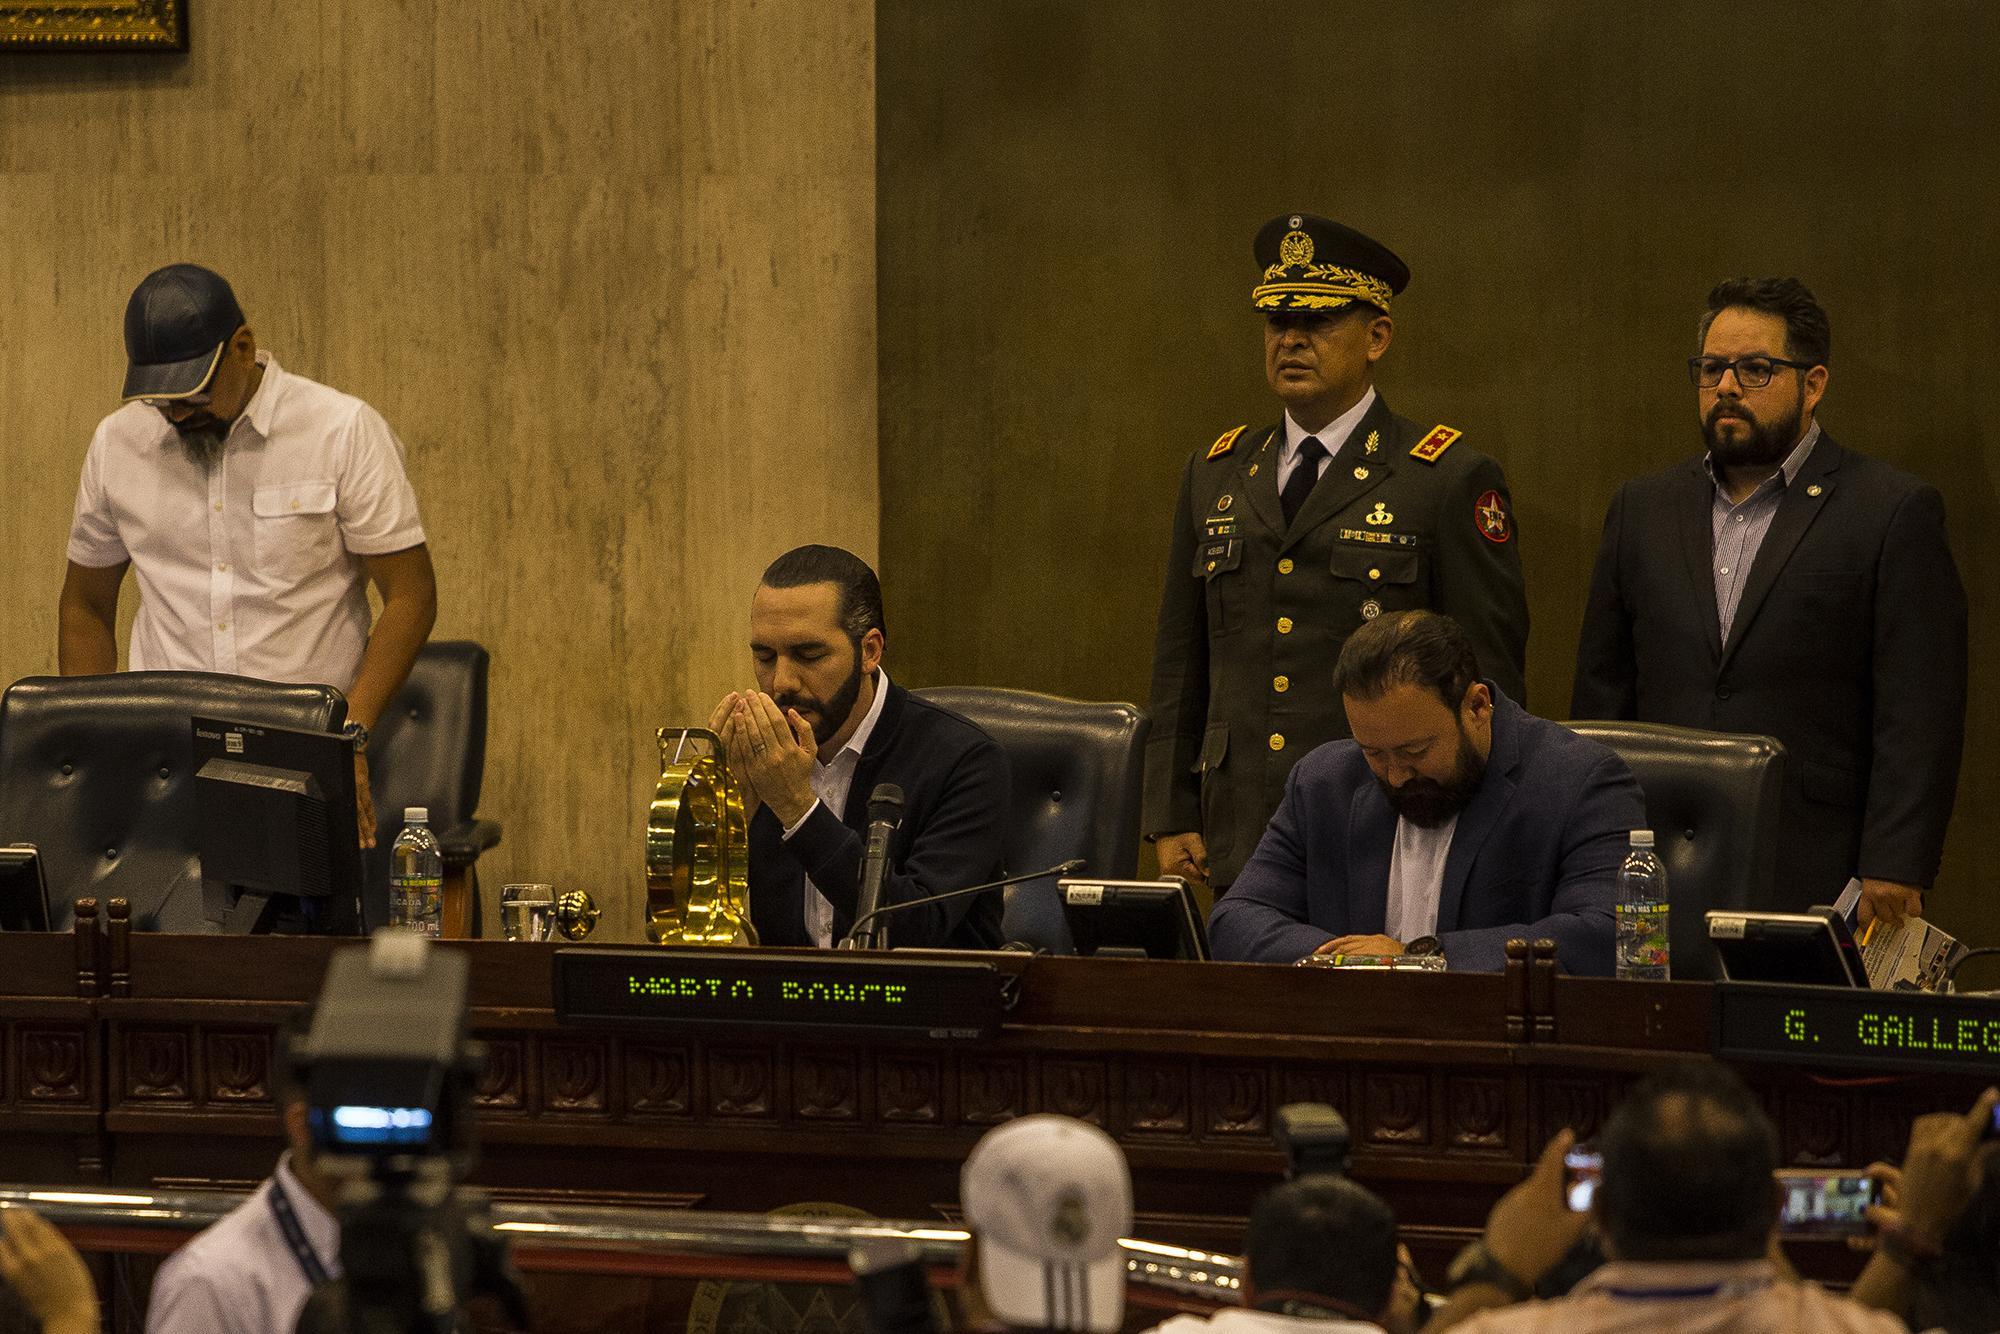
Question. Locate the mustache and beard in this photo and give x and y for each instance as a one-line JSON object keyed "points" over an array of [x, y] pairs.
{"points": [[1764, 444], [202, 436], [826, 715], [1427, 802]]}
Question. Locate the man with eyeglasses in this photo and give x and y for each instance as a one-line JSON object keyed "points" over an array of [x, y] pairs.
{"points": [[1784, 585], [255, 507]]}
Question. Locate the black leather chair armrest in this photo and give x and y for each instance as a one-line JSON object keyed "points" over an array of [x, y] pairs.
{"points": [[463, 843]]}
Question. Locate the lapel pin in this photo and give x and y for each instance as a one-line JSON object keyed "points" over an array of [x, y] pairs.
{"points": [[1361, 474], [1814, 489], [1374, 442]]}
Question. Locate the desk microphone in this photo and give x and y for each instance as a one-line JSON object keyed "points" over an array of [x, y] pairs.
{"points": [[1070, 867], [885, 812]]}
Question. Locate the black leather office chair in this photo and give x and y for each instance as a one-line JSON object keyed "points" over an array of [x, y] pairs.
{"points": [[1713, 800], [429, 749], [97, 772], [1078, 768]]}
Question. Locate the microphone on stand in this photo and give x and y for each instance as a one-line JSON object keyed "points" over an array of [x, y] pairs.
{"points": [[1070, 867], [885, 812]]}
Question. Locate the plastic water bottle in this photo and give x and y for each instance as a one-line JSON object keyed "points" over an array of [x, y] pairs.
{"points": [[416, 875], [1642, 912]]}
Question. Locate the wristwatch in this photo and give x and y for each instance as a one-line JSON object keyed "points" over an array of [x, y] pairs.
{"points": [[1423, 945], [358, 734], [1475, 1264]]}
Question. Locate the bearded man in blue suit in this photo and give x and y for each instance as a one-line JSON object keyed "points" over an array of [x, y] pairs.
{"points": [[1451, 822]]}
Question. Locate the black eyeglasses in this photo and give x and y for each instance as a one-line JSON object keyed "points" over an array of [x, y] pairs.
{"points": [[1751, 372]]}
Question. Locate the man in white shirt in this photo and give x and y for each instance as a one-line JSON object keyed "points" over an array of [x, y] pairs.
{"points": [[1320, 1257], [252, 1271], [253, 506], [1453, 821]]}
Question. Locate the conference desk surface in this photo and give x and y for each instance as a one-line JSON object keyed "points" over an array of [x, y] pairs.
{"points": [[149, 1062]]}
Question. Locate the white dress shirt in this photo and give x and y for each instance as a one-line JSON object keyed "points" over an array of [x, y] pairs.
{"points": [[830, 783], [1416, 879], [249, 566], [1331, 437], [240, 1276]]}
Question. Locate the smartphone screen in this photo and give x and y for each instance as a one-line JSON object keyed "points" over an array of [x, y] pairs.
{"points": [[1581, 1169], [1826, 1204]]}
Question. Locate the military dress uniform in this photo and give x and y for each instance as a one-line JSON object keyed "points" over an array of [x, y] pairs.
{"points": [[1255, 610]]}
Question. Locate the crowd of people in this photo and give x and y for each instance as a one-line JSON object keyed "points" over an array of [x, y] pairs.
{"points": [[1682, 1233]]}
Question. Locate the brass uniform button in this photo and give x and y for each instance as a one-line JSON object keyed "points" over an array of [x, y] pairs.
{"points": [[1211, 567], [1284, 625], [1372, 574], [1277, 741], [1281, 684], [1285, 565]]}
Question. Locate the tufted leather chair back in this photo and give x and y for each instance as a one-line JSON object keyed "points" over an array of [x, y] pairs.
{"points": [[97, 772], [1078, 767], [1713, 800], [427, 749]]}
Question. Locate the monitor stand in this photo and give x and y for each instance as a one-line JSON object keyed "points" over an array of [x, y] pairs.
{"points": [[234, 911]]}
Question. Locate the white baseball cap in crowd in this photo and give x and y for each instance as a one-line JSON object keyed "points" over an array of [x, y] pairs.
{"points": [[1048, 1199]]}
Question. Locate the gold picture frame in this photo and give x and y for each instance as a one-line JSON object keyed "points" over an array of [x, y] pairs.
{"points": [[93, 25]]}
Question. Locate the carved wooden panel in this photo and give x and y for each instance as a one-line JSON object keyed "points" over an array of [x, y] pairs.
{"points": [[656, 1080], [1315, 1083], [1074, 1088], [1395, 1109], [1815, 1130], [237, 1064], [53, 1068], [157, 1065], [1236, 1100], [909, 1089], [574, 1075], [991, 1089], [826, 1084], [1580, 1103], [1156, 1096], [503, 1081], [739, 1082], [1476, 1112]]}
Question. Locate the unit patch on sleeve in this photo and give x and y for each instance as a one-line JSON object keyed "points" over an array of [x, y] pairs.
{"points": [[1490, 513], [1226, 442], [1433, 446]]}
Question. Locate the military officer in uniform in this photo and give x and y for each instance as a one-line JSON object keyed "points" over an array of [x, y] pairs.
{"points": [[1286, 539]]}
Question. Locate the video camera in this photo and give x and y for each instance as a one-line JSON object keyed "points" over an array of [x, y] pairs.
{"points": [[388, 1073], [1314, 1138]]}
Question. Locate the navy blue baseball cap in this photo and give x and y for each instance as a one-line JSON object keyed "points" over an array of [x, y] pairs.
{"points": [[176, 324]]}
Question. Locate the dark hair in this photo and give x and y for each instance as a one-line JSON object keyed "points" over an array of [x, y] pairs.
{"points": [[1407, 648], [1808, 335], [1326, 1236], [1959, 1292], [860, 591], [1688, 1158]]}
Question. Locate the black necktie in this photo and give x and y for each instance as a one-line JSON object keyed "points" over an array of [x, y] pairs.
{"points": [[1305, 475]]}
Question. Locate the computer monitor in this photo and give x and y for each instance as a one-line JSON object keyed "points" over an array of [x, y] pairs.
{"points": [[276, 829], [1134, 919], [24, 894], [1813, 948]]}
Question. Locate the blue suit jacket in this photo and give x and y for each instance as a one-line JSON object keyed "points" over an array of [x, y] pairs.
{"points": [[1535, 854]]}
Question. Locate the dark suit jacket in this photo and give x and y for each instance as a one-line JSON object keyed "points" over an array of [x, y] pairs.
{"points": [[1406, 534], [955, 782], [1849, 646], [1535, 854]]}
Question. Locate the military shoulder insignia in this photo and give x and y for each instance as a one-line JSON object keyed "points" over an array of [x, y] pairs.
{"points": [[1489, 512], [1433, 446], [1226, 441]]}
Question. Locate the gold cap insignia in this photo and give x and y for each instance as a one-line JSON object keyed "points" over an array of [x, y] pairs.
{"points": [[1381, 516], [1433, 446], [1225, 442], [1295, 249]]}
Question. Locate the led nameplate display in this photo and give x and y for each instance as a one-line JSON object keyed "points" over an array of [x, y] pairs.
{"points": [[381, 1125], [932, 997], [1835, 1026]]}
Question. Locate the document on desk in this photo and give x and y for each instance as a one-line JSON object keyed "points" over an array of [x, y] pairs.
{"points": [[1912, 956]]}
